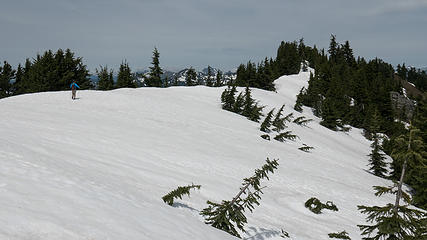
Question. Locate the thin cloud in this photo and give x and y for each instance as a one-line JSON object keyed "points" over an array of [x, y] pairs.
{"points": [[396, 6]]}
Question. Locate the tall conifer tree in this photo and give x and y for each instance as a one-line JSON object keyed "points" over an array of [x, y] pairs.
{"points": [[218, 79], [191, 77], [6, 76], [124, 77], [209, 80], [156, 71]]}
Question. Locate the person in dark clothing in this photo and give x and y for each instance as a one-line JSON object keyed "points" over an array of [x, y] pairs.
{"points": [[73, 87]]}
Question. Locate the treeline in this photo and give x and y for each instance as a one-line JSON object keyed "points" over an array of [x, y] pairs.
{"points": [[290, 59], [345, 91], [47, 72], [348, 91], [414, 76], [56, 71]]}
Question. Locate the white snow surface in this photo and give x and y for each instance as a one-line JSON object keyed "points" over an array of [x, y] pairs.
{"points": [[97, 167]]}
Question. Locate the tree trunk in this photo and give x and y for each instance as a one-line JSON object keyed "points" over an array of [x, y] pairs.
{"points": [[399, 186], [240, 193]]}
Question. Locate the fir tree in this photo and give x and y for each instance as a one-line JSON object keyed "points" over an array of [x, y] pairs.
{"points": [[166, 82], [302, 121], [248, 104], [305, 148], [279, 122], [299, 102], [238, 104], [348, 54], [54, 72], [376, 159], [333, 48], [375, 123], [266, 124], [251, 110], [393, 221], [329, 115], [178, 193], [218, 79], [105, 81], [175, 80], [18, 87], [6, 76], [191, 77], [154, 80], [396, 221], [124, 77], [288, 117], [256, 113], [281, 137], [228, 98], [209, 80], [228, 215], [409, 152]]}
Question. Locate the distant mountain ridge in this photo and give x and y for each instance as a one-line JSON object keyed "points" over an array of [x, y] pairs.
{"points": [[179, 75]]}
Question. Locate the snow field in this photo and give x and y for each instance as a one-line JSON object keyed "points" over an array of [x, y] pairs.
{"points": [[97, 167]]}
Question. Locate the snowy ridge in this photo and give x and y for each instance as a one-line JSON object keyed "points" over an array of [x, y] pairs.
{"points": [[96, 168]]}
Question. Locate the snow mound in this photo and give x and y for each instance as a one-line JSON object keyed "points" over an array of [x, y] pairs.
{"points": [[97, 167]]}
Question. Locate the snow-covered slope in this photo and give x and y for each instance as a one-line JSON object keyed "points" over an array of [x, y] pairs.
{"points": [[97, 167]]}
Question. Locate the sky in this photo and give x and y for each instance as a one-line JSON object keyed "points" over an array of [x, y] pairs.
{"points": [[219, 33]]}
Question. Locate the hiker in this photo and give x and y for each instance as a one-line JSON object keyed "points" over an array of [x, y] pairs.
{"points": [[74, 87]]}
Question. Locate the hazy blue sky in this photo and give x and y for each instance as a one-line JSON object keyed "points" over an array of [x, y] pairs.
{"points": [[222, 33]]}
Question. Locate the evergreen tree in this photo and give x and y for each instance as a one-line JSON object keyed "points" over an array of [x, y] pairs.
{"points": [[410, 152], [302, 121], [281, 137], [299, 102], [375, 123], [396, 221], [209, 80], [166, 82], [266, 124], [175, 80], [242, 75], [218, 79], [393, 221], [154, 80], [329, 115], [6, 76], [420, 117], [18, 87], [105, 78], [376, 158], [228, 215], [228, 98], [124, 77], [402, 71], [305, 148], [53, 72], [279, 122], [238, 104], [348, 54], [191, 77], [111, 80], [333, 48], [288, 60], [178, 193], [251, 110]]}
